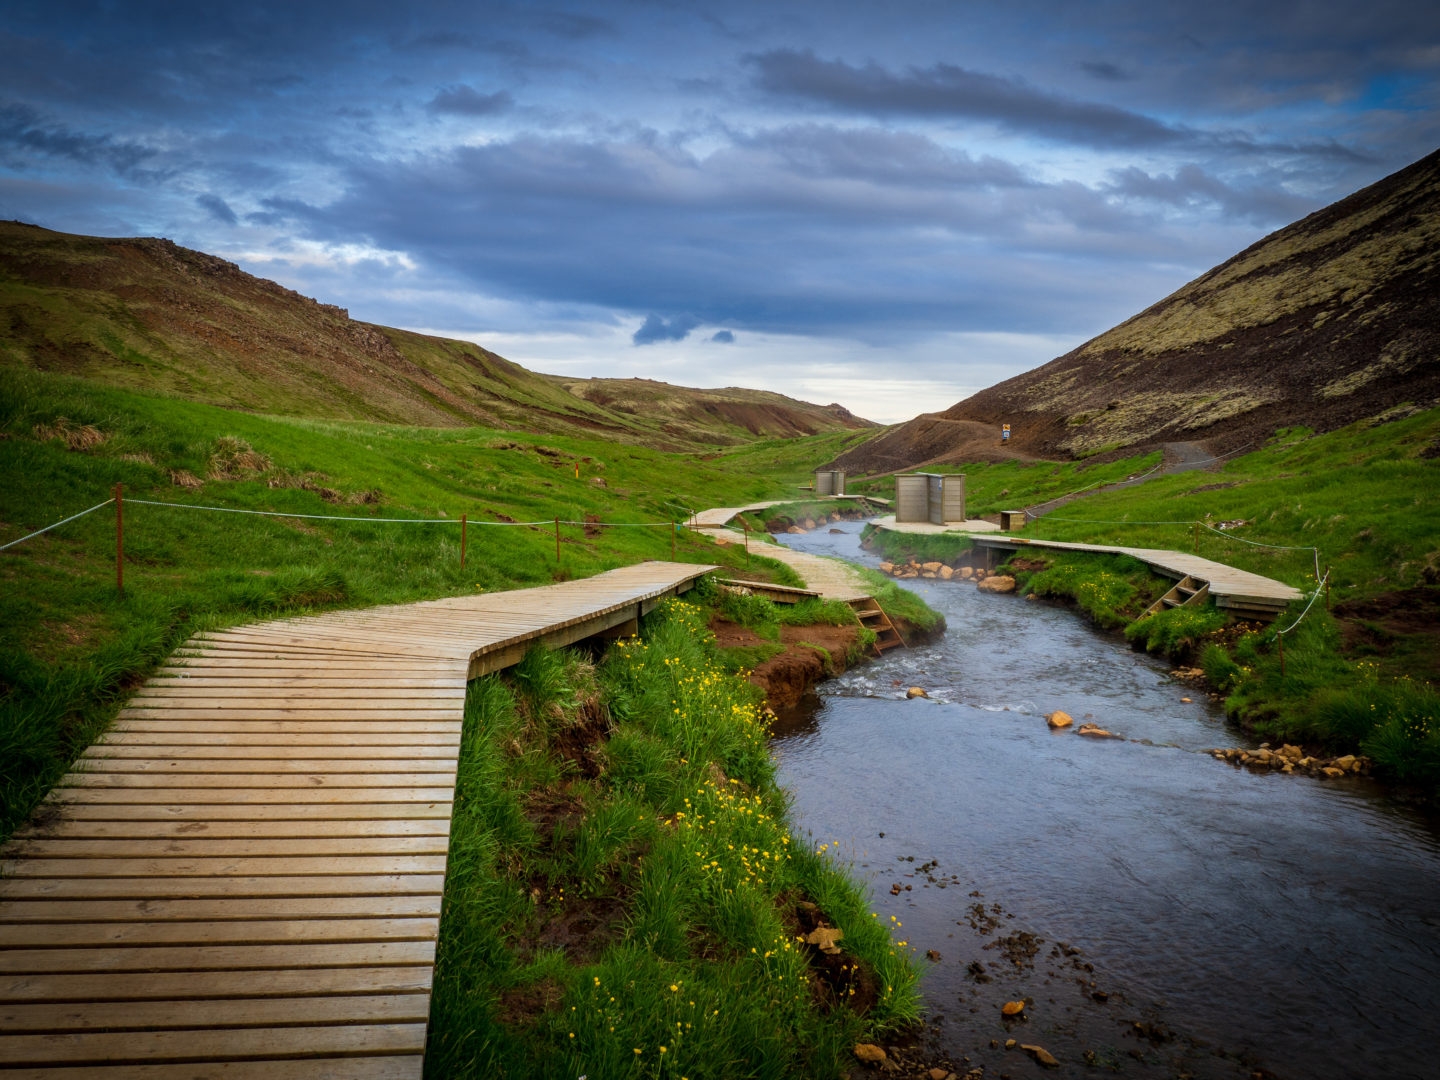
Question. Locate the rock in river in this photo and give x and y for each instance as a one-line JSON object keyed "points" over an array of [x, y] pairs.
{"points": [[998, 583], [1058, 719]]}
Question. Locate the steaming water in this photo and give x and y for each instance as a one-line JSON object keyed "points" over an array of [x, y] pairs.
{"points": [[1287, 918]]}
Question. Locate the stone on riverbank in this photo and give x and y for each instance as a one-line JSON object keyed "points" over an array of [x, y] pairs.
{"points": [[1012, 1008], [869, 1053], [916, 691]]}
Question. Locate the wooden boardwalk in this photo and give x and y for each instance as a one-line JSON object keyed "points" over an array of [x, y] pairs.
{"points": [[243, 878], [1239, 591]]}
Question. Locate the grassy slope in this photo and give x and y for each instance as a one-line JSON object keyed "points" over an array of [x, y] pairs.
{"points": [[1363, 496], [70, 647]]}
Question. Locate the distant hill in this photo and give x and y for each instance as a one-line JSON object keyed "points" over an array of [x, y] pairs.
{"points": [[1330, 320], [148, 314]]}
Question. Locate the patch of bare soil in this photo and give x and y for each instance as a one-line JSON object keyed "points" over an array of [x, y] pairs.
{"points": [[787, 676], [1402, 625]]}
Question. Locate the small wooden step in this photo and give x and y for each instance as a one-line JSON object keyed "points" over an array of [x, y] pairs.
{"points": [[1187, 592]]}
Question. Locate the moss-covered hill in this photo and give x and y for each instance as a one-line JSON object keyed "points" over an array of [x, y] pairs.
{"points": [[1333, 319]]}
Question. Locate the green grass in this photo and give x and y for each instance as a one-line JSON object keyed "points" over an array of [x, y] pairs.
{"points": [[71, 648], [632, 906], [1111, 589]]}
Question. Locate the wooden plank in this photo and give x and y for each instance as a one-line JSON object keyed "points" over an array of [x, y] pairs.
{"points": [[101, 763], [276, 810], [125, 847], [245, 907], [226, 932], [167, 737], [387, 1067], [240, 866], [224, 1012], [103, 1048], [223, 751], [230, 886], [135, 830], [216, 958], [145, 782], [161, 985], [240, 711], [206, 697], [218, 725]]}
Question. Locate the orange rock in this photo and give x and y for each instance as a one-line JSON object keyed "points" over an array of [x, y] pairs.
{"points": [[869, 1053], [1043, 1056], [1058, 719], [1013, 1008]]}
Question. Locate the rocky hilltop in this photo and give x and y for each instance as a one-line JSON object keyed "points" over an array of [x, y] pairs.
{"points": [[1329, 320], [147, 314]]}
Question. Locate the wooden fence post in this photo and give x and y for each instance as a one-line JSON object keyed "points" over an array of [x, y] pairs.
{"points": [[462, 541], [120, 539]]}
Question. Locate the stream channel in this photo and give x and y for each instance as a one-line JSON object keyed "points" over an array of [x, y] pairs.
{"points": [[1250, 923]]}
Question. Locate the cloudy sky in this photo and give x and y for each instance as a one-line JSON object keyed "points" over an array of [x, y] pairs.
{"points": [[891, 205]]}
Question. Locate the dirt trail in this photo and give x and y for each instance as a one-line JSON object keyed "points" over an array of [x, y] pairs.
{"points": [[1179, 457]]}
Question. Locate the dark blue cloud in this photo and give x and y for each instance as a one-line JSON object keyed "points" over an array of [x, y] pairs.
{"points": [[217, 208], [948, 91], [723, 337], [657, 329], [467, 101], [24, 130]]}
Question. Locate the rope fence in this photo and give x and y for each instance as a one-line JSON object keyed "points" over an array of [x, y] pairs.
{"points": [[119, 501], [66, 521]]}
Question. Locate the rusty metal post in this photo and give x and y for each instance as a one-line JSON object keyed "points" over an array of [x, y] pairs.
{"points": [[462, 541], [577, 470], [747, 542], [1197, 538], [673, 530], [557, 541], [120, 539], [1327, 588]]}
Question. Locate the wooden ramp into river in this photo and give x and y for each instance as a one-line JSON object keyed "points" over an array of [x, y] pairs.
{"points": [[243, 878]]}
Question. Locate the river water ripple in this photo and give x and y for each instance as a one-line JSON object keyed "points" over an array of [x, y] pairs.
{"points": [[1289, 922]]}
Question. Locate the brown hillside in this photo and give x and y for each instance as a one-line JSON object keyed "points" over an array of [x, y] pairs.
{"points": [[1329, 320], [148, 314]]}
